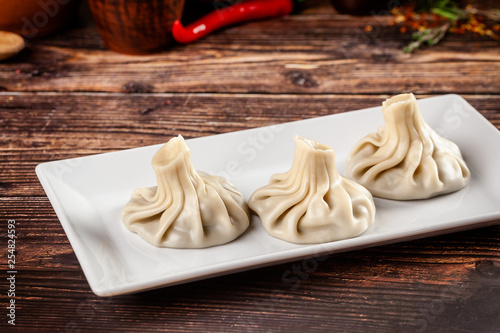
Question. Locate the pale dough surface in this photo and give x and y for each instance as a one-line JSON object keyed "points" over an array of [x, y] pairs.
{"points": [[312, 202], [406, 159], [187, 209]]}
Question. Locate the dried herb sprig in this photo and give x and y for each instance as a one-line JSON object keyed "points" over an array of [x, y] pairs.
{"points": [[429, 36], [431, 20]]}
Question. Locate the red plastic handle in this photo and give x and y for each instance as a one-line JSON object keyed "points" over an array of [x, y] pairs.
{"points": [[242, 12]]}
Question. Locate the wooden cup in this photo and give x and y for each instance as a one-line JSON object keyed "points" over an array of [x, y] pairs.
{"points": [[136, 26]]}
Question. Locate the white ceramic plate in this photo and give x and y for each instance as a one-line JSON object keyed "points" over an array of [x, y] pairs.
{"points": [[88, 194]]}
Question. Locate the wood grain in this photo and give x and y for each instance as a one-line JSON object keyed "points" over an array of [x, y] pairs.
{"points": [[39, 128], [67, 96], [296, 54], [396, 287]]}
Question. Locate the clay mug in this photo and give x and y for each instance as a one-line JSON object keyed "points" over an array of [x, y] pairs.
{"points": [[136, 26]]}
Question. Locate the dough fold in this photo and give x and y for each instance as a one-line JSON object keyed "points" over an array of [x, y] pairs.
{"points": [[312, 202], [406, 159], [187, 209]]}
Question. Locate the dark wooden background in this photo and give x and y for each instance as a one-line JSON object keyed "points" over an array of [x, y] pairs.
{"points": [[67, 96]]}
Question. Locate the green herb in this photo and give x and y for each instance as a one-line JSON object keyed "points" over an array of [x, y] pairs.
{"points": [[430, 36], [432, 19]]}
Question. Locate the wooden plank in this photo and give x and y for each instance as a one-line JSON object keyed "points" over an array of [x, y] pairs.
{"points": [[68, 96], [38, 227], [43, 127], [320, 53], [404, 286], [382, 288]]}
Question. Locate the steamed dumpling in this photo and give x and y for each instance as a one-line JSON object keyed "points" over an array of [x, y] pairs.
{"points": [[188, 209], [312, 203], [406, 159]]}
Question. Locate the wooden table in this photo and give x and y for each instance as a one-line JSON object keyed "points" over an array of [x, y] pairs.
{"points": [[67, 96]]}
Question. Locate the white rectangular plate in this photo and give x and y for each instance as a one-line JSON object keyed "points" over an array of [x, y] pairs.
{"points": [[88, 194]]}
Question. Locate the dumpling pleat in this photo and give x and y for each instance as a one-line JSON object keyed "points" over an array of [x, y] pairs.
{"points": [[308, 204], [187, 209], [411, 160]]}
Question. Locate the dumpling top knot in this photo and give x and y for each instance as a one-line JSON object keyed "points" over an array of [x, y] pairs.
{"points": [[406, 159]]}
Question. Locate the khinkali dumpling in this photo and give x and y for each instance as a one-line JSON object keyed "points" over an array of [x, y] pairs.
{"points": [[406, 159], [188, 209], [312, 202]]}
